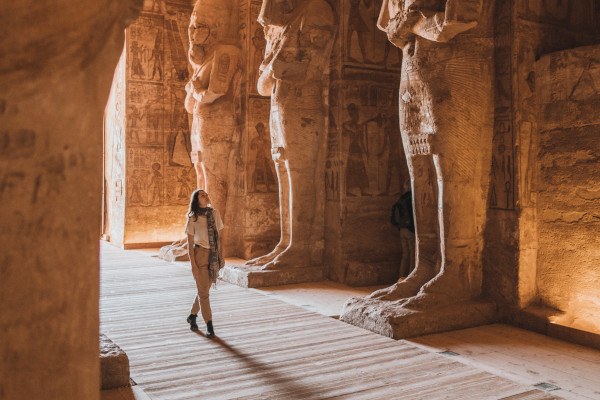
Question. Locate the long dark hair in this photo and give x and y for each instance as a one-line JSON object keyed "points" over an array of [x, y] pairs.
{"points": [[195, 210]]}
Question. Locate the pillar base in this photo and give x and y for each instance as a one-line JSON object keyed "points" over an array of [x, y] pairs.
{"points": [[253, 277], [392, 320]]}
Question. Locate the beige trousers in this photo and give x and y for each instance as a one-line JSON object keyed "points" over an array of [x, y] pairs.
{"points": [[202, 302]]}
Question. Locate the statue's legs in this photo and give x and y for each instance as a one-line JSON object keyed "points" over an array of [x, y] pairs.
{"points": [[283, 179], [464, 174], [301, 212], [305, 169], [427, 257]]}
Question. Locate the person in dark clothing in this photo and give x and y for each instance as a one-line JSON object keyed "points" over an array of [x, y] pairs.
{"points": [[402, 217]]}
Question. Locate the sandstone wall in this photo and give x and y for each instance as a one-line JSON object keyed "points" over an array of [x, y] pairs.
{"points": [[56, 64], [524, 31], [568, 207]]}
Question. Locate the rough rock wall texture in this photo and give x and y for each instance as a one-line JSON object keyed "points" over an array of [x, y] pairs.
{"points": [[366, 166], [56, 64], [148, 150], [524, 31], [568, 268]]}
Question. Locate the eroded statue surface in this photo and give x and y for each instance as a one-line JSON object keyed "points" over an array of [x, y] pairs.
{"points": [[213, 94], [446, 121], [300, 36]]}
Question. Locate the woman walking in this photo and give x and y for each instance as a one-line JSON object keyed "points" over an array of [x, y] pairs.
{"points": [[204, 246]]}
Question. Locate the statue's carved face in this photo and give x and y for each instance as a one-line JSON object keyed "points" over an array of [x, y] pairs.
{"points": [[209, 23], [199, 32]]}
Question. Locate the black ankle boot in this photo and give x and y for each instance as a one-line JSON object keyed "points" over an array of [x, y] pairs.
{"points": [[192, 321], [210, 332]]}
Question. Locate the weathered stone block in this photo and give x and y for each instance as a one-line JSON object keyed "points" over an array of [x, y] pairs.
{"points": [[114, 365]]}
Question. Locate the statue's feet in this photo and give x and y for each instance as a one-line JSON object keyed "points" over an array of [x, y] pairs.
{"points": [[441, 291], [398, 291], [267, 258], [425, 300], [290, 258]]}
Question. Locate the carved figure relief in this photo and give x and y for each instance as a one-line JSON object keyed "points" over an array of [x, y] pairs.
{"points": [[356, 24], [179, 129], [446, 113], [145, 181], [355, 134], [299, 37], [258, 48], [263, 170], [362, 42], [370, 155], [212, 92]]}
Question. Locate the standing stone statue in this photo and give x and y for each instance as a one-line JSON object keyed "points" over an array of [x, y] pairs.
{"points": [[300, 35], [446, 120], [212, 94]]}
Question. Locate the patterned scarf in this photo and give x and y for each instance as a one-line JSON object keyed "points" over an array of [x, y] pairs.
{"points": [[215, 258]]}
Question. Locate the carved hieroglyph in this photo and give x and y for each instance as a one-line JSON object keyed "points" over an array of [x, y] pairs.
{"points": [[446, 124], [213, 94], [300, 37]]}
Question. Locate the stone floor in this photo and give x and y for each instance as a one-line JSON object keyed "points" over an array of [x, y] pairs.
{"points": [[268, 348]]}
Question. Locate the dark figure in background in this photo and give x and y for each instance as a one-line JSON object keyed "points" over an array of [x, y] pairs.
{"points": [[402, 218]]}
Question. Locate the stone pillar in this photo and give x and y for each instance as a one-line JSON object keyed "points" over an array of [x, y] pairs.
{"points": [[55, 75], [149, 174], [213, 99], [446, 120]]}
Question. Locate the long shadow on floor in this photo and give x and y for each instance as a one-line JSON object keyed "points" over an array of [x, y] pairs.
{"points": [[282, 383]]}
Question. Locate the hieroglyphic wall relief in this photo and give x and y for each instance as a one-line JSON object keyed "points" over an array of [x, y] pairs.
{"points": [[262, 177], [373, 164], [365, 166], [157, 124], [299, 38], [364, 44], [502, 186], [213, 96], [158, 174]]}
